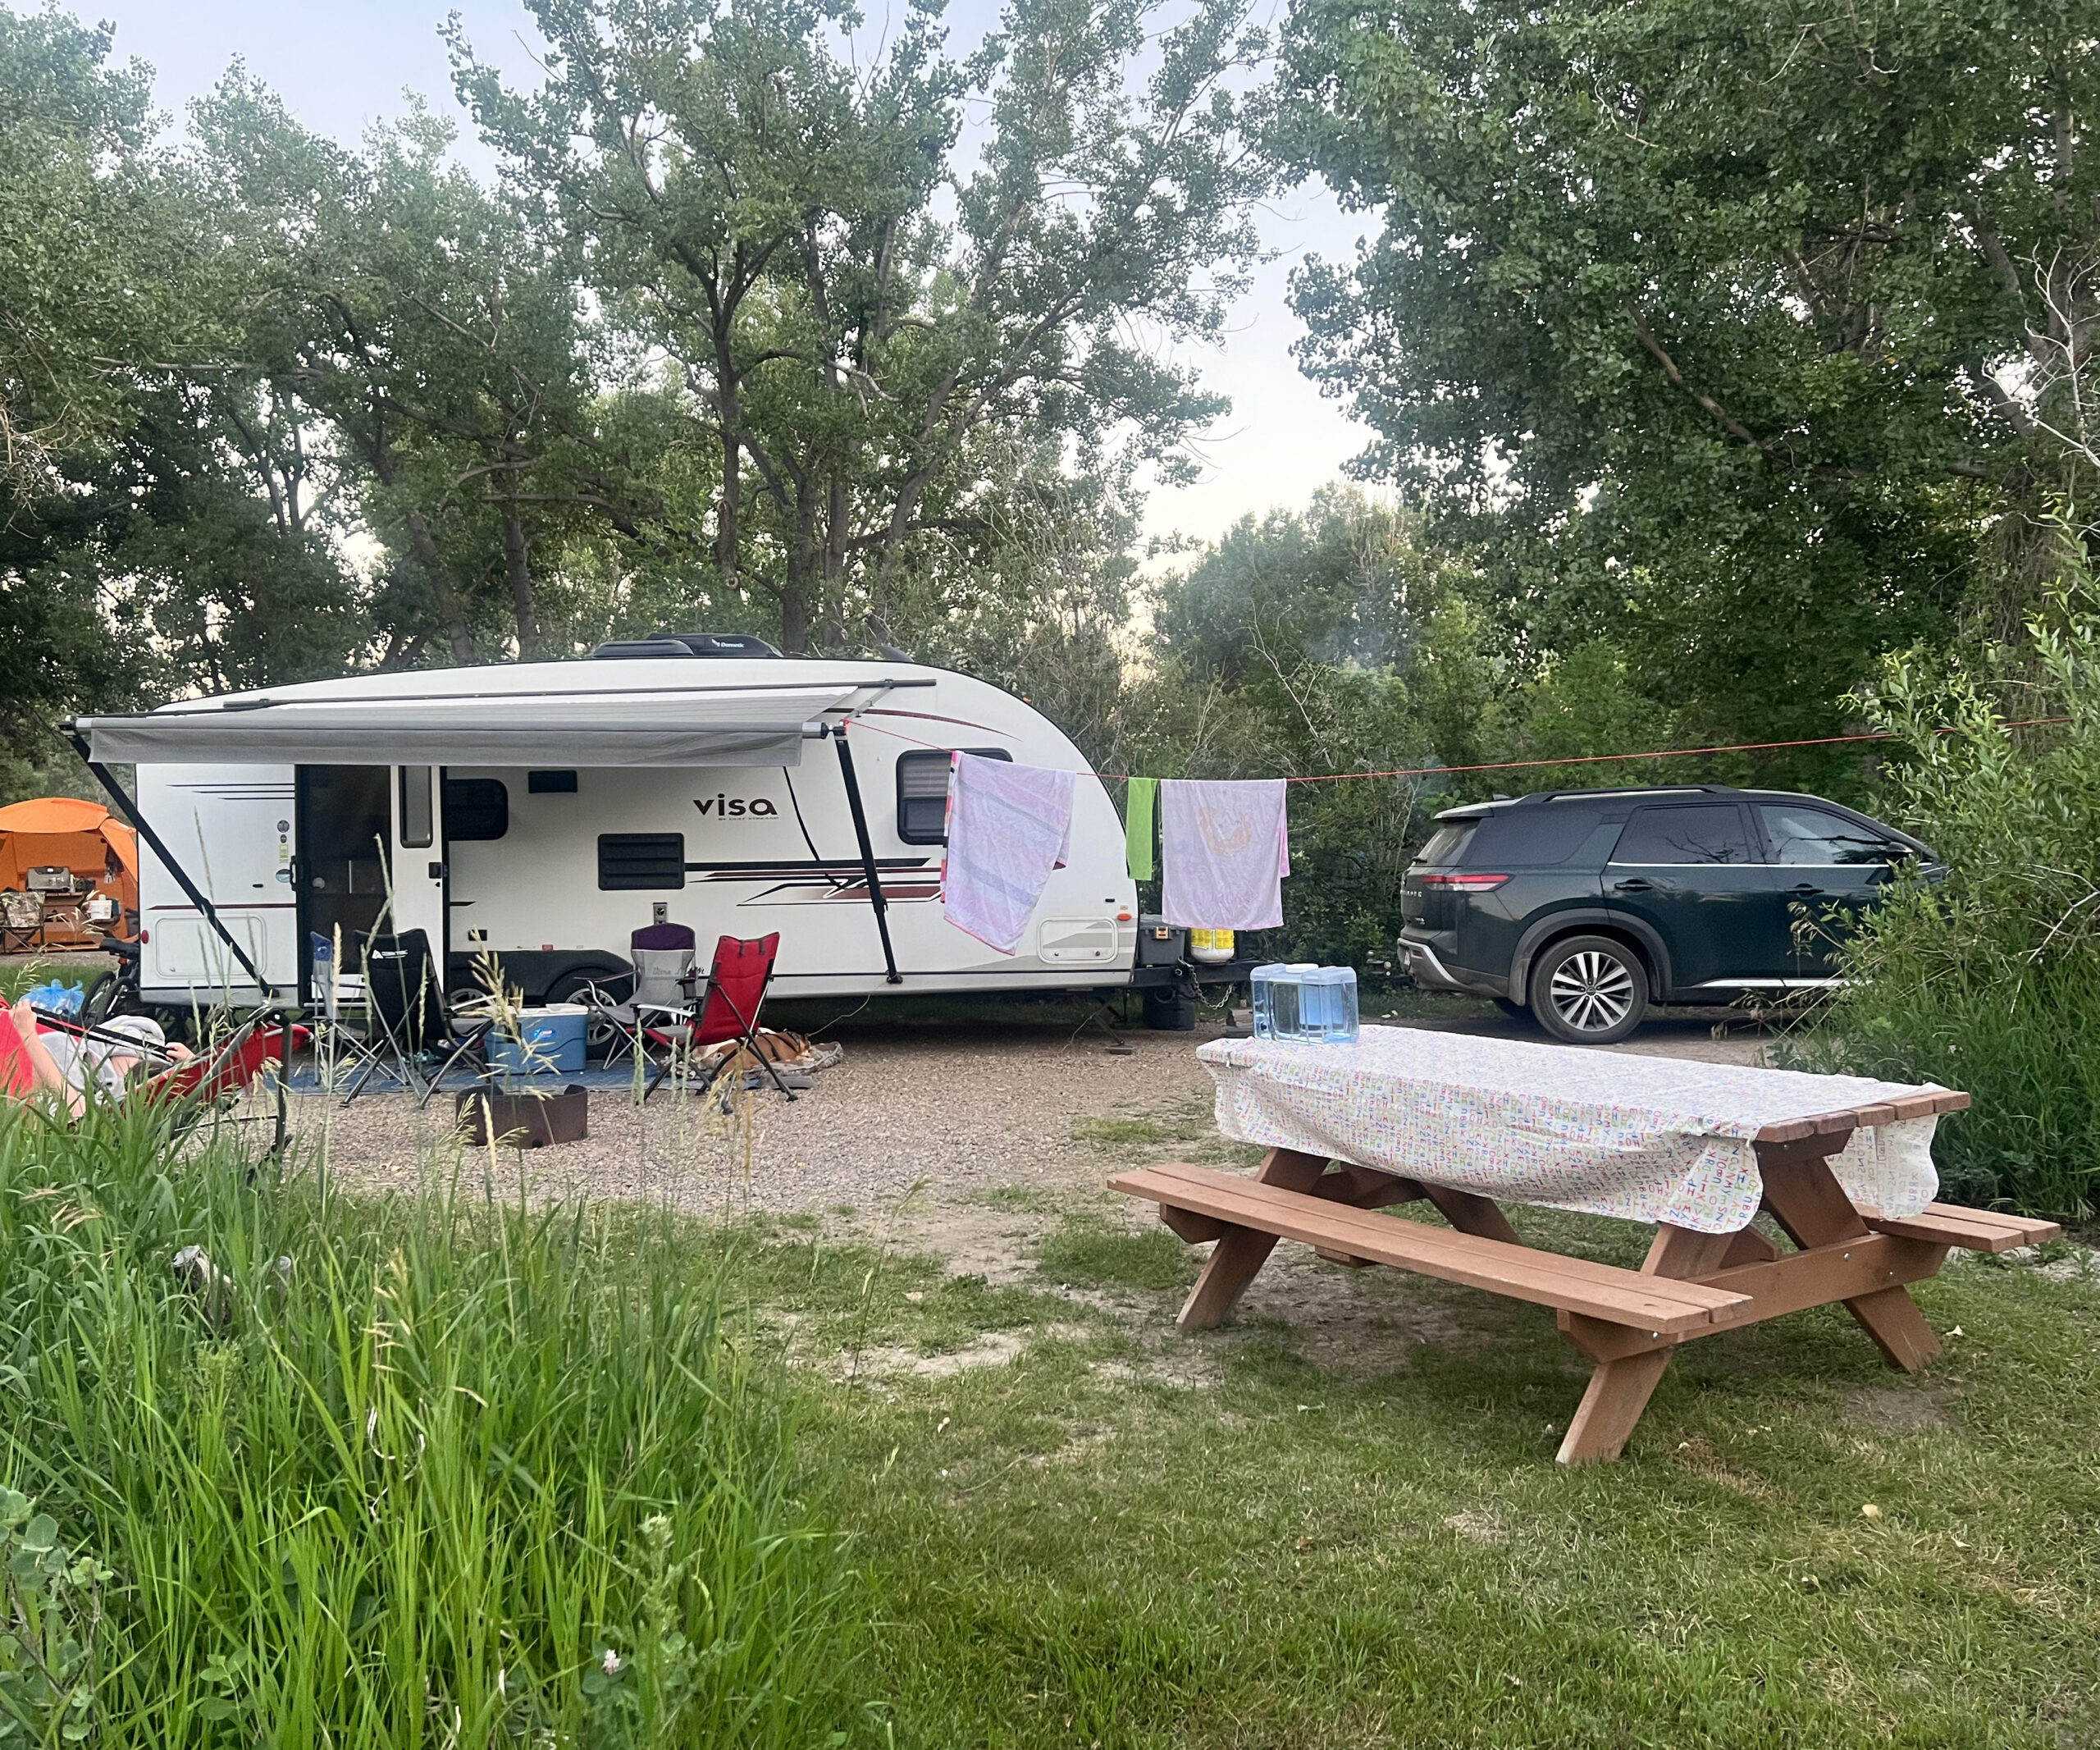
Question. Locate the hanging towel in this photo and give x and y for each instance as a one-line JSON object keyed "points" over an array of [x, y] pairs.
{"points": [[1224, 851], [1137, 830], [1008, 827]]}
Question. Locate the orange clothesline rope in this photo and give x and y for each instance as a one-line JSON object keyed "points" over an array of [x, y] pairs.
{"points": [[1511, 765]]}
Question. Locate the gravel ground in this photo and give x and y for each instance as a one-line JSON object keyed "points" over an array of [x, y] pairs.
{"points": [[908, 1133]]}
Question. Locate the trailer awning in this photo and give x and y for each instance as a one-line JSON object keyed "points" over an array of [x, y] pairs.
{"points": [[670, 726]]}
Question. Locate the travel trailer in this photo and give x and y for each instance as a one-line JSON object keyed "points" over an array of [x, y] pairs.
{"points": [[544, 811]]}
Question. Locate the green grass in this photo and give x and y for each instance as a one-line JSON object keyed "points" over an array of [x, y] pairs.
{"points": [[415, 1472], [412, 1489], [1016, 1199], [1355, 1534], [1090, 1254]]}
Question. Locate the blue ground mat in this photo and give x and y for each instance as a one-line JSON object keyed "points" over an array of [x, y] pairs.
{"points": [[304, 1080]]}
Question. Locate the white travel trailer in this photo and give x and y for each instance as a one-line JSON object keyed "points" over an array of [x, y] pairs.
{"points": [[547, 810]]}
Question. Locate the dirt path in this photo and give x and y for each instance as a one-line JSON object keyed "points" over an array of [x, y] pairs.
{"points": [[962, 1139]]}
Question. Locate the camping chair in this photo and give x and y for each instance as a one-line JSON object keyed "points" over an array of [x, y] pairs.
{"points": [[727, 1008], [22, 922], [339, 1049], [409, 1022], [214, 1079], [663, 955]]}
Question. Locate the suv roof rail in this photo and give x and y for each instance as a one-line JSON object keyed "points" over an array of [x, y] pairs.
{"points": [[1639, 789]]}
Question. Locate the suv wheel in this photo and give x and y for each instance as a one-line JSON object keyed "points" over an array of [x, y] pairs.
{"points": [[1589, 990]]}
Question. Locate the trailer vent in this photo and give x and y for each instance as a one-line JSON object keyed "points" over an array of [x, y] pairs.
{"points": [[675, 644], [629, 863]]}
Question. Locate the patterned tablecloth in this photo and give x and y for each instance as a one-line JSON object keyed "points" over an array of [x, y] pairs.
{"points": [[1649, 1139]]}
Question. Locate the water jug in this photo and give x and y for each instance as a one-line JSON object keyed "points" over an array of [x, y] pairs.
{"points": [[1328, 1006], [1262, 982]]}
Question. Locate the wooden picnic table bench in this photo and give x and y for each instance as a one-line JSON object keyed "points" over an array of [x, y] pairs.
{"points": [[1693, 1283]]}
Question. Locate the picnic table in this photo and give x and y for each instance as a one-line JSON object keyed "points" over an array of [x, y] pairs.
{"points": [[1843, 1165]]}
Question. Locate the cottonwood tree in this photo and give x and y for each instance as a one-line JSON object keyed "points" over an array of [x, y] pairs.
{"points": [[1724, 319], [440, 336], [846, 312], [140, 551]]}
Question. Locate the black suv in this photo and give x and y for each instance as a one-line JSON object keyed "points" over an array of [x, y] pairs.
{"points": [[1585, 905]]}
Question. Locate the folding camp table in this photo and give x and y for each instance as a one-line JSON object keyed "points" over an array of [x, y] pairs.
{"points": [[1843, 1165]]}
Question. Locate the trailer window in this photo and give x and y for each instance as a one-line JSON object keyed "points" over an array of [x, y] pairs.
{"points": [[629, 862], [476, 808], [922, 793], [550, 783], [417, 828]]}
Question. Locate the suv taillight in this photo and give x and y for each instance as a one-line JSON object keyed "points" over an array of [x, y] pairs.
{"points": [[1463, 883]]}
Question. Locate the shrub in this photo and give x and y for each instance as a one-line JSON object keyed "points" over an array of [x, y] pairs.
{"points": [[1990, 981], [423, 1471]]}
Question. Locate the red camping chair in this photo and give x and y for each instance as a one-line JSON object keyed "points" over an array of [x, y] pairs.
{"points": [[727, 1008], [17, 1076], [220, 1076]]}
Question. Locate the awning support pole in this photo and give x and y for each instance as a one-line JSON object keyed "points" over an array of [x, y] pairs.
{"points": [[117, 794], [875, 896]]}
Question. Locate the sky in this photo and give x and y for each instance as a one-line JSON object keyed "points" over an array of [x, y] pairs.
{"points": [[342, 65]]}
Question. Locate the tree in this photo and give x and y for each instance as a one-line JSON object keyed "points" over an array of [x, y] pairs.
{"points": [[1731, 322], [767, 221], [81, 210], [438, 335], [137, 554]]}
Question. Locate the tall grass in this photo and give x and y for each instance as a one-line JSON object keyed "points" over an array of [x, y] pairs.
{"points": [[1990, 981], [428, 1471]]}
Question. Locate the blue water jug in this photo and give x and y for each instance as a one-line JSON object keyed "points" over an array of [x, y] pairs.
{"points": [[1327, 1005], [1263, 981]]}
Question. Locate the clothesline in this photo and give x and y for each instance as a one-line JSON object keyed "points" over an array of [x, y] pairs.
{"points": [[1509, 765]]}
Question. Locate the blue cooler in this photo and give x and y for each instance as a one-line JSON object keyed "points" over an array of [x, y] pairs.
{"points": [[553, 1042]]}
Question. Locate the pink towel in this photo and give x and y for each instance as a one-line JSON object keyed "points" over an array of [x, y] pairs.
{"points": [[1008, 827], [1224, 849]]}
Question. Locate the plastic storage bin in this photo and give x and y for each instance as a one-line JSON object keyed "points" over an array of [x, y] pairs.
{"points": [[551, 1042]]}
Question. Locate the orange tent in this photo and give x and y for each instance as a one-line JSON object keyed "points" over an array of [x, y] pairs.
{"points": [[65, 832]]}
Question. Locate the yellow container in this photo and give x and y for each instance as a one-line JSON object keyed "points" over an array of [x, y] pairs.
{"points": [[1210, 947]]}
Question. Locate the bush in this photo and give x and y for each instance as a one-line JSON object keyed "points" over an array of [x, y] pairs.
{"points": [[1991, 981], [426, 1470]]}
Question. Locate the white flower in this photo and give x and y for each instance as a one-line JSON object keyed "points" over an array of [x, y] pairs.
{"points": [[611, 1662]]}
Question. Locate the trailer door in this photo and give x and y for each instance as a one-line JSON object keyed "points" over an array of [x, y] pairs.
{"points": [[421, 880]]}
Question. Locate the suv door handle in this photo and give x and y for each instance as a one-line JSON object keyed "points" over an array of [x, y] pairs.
{"points": [[1634, 884], [1805, 887]]}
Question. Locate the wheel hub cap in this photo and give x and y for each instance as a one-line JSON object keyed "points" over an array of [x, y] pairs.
{"points": [[1592, 991]]}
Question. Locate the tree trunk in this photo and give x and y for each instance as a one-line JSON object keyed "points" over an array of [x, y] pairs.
{"points": [[728, 512], [457, 633], [795, 621], [516, 557], [379, 454]]}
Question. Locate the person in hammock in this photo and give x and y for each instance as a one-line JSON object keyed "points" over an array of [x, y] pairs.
{"points": [[64, 1067]]}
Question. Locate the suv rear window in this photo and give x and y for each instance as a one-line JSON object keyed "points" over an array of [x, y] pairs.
{"points": [[1547, 833], [1697, 833], [1447, 844]]}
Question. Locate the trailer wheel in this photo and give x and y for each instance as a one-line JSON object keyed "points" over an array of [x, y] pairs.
{"points": [[577, 987]]}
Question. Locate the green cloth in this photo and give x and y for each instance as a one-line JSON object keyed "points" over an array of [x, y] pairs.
{"points": [[1137, 826]]}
